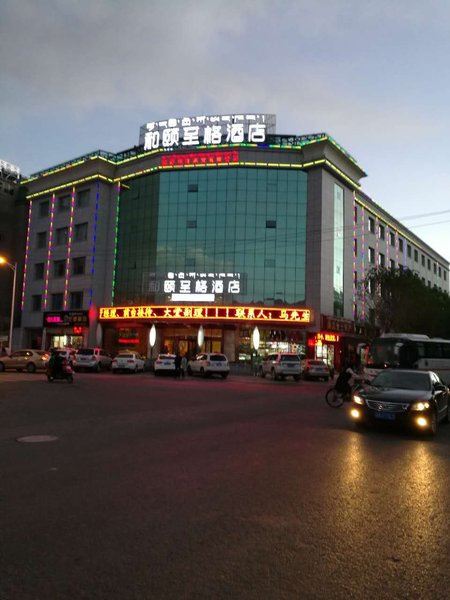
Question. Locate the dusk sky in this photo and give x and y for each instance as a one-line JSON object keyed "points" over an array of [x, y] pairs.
{"points": [[77, 76]]}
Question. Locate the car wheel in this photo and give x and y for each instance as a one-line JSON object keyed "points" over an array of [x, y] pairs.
{"points": [[98, 368], [261, 373], [224, 375], [2, 367], [273, 375], [202, 372], [31, 368], [297, 377]]}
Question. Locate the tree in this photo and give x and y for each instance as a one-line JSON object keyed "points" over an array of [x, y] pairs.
{"points": [[402, 302]]}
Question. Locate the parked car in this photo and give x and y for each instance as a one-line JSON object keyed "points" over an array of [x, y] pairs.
{"points": [[209, 363], [313, 368], [164, 363], [25, 360], [93, 359], [418, 399], [128, 361], [280, 365]]}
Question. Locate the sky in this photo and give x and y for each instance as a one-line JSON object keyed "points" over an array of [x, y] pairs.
{"points": [[77, 76]]}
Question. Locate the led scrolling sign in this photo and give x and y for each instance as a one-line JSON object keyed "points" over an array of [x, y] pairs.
{"points": [[208, 313]]}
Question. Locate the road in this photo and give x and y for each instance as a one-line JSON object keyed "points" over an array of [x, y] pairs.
{"points": [[207, 489]]}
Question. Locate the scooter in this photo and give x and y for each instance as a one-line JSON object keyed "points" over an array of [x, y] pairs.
{"points": [[66, 373]]}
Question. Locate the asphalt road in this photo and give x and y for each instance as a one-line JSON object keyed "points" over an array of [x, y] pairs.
{"points": [[211, 489]]}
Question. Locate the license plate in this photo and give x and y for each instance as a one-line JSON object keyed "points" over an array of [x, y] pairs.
{"points": [[386, 416]]}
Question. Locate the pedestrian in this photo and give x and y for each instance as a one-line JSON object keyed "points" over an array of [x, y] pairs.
{"points": [[177, 365], [183, 366]]}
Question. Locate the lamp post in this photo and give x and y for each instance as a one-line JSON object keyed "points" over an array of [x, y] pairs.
{"points": [[13, 267]]}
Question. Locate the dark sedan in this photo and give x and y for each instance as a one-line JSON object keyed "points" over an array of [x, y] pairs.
{"points": [[417, 399]]}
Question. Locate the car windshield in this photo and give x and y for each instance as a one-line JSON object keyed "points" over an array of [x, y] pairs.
{"points": [[317, 363], [218, 357], [125, 355], [292, 358], [402, 380], [86, 351], [166, 357]]}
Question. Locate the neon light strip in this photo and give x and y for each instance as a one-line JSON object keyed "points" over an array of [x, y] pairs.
{"points": [[363, 262], [27, 247], [69, 184], [49, 250], [355, 242], [94, 242], [207, 313], [116, 238], [69, 248]]}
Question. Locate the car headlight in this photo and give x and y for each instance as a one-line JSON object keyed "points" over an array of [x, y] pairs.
{"points": [[420, 406], [358, 399]]}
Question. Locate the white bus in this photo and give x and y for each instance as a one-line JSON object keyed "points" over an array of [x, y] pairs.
{"points": [[409, 351]]}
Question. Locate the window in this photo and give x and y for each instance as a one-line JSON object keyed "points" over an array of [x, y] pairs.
{"points": [[392, 263], [434, 268], [355, 247], [372, 256], [400, 245], [41, 239], [445, 275], [36, 303], [62, 236], [429, 264], [439, 272], [269, 262], [44, 208], [64, 203], [371, 225], [76, 300], [392, 239], [190, 263], [78, 265], [81, 231], [381, 260], [355, 214], [59, 268], [271, 224], [83, 198], [408, 250], [423, 260], [416, 255], [191, 224], [57, 301], [381, 232], [39, 271], [192, 187]]}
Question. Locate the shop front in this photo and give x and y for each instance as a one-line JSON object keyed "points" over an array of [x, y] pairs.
{"points": [[188, 329], [65, 329]]}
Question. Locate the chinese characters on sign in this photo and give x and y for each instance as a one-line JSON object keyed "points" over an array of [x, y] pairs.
{"points": [[67, 318], [191, 286], [200, 158], [337, 324], [207, 130], [211, 313]]}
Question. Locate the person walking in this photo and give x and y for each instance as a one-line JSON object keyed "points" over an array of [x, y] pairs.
{"points": [[177, 365], [183, 366]]}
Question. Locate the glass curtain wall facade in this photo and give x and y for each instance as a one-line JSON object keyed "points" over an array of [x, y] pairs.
{"points": [[338, 252], [249, 221]]}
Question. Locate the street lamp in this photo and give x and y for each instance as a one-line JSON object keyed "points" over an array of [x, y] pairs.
{"points": [[13, 267]]}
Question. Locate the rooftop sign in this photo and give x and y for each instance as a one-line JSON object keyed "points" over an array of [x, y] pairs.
{"points": [[182, 132]]}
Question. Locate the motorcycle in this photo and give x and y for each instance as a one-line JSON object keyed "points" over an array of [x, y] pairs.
{"points": [[64, 373]]}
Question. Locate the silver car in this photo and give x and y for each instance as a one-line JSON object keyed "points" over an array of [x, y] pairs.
{"points": [[25, 360]]}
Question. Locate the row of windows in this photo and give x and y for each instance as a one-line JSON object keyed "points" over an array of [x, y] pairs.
{"points": [[80, 234], [78, 267], [57, 301], [382, 262], [82, 200], [409, 250]]}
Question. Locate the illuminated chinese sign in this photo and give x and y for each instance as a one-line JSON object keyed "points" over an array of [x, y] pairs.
{"points": [[321, 338], [195, 287], [216, 157], [207, 130], [66, 318], [257, 314]]}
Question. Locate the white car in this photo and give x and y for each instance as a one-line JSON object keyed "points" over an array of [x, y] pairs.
{"points": [[209, 363], [281, 365], [129, 361], [164, 363], [93, 359]]}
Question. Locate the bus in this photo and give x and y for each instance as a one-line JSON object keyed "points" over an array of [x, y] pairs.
{"points": [[408, 351]]}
